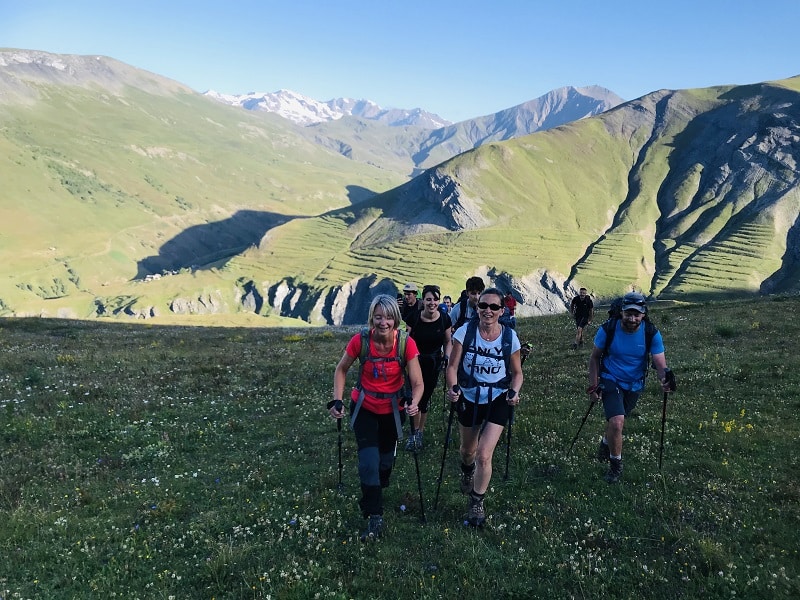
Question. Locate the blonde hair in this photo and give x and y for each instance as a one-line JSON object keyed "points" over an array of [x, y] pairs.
{"points": [[390, 309]]}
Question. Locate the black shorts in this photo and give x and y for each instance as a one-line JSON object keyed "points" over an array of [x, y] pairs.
{"points": [[472, 415], [581, 322], [616, 400]]}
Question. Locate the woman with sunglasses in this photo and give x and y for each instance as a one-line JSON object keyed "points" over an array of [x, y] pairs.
{"points": [[484, 376], [430, 328]]}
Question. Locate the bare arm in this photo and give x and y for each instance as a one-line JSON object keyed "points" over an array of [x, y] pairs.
{"points": [[417, 385], [660, 363], [451, 375], [339, 381], [594, 367], [516, 377]]}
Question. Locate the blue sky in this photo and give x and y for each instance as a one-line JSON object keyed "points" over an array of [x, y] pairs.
{"points": [[460, 59]]}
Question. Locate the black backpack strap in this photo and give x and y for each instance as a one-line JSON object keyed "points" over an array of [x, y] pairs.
{"points": [[462, 312]]}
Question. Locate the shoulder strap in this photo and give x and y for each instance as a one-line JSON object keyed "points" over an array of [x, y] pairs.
{"points": [[365, 339], [650, 331], [506, 344], [462, 312], [610, 327], [402, 338], [464, 378], [362, 355]]}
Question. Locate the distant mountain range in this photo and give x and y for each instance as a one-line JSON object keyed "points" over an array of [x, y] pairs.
{"points": [[128, 195], [413, 140], [303, 110]]}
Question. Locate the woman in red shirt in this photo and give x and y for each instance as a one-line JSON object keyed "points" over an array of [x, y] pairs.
{"points": [[376, 404]]}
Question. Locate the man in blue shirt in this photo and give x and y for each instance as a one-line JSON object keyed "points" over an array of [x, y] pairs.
{"points": [[617, 376]]}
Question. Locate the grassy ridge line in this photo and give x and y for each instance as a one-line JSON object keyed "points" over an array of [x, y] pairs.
{"points": [[192, 462]]}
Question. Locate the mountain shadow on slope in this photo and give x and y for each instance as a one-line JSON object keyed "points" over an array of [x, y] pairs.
{"points": [[201, 246]]}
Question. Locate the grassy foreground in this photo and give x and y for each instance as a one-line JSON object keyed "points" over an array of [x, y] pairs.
{"points": [[174, 462]]}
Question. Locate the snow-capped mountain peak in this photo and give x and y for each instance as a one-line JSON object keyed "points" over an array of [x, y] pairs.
{"points": [[306, 111]]}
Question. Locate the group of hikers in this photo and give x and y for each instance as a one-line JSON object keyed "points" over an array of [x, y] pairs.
{"points": [[409, 341]]}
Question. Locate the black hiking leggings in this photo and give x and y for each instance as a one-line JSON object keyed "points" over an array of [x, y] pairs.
{"points": [[430, 367]]}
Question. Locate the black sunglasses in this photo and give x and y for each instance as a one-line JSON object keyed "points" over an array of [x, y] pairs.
{"points": [[484, 306]]}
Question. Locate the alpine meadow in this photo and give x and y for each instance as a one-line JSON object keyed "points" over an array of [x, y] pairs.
{"points": [[179, 278], [144, 461]]}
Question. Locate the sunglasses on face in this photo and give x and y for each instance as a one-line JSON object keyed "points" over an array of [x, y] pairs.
{"points": [[485, 305]]}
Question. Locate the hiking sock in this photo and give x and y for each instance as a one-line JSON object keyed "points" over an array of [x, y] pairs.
{"points": [[476, 496]]}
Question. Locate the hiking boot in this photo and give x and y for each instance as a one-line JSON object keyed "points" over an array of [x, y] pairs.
{"points": [[374, 528], [467, 478], [476, 514], [603, 453], [414, 442], [614, 470]]}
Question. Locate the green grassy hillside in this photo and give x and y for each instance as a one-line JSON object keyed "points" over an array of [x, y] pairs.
{"points": [[152, 462], [672, 194], [111, 174], [98, 181]]}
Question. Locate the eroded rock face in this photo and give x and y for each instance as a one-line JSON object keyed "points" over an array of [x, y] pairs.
{"points": [[212, 303]]}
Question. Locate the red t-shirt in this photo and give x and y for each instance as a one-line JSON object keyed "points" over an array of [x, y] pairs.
{"points": [[511, 304], [389, 373]]}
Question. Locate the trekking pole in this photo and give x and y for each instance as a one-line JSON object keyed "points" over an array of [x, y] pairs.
{"points": [[590, 390], [341, 464], [444, 450], [444, 396], [524, 353], [669, 377], [508, 440], [413, 433]]}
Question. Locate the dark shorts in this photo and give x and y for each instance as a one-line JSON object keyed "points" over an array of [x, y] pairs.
{"points": [[617, 401], [472, 415], [581, 322]]}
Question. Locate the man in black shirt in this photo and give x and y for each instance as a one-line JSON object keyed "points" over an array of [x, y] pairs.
{"points": [[582, 309], [410, 304]]}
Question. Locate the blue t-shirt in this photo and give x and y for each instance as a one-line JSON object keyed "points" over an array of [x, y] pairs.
{"points": [[489, 364], [626, 360]]}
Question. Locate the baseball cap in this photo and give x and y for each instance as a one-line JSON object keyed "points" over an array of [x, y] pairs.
{"points": [[410, 287], [634, 301]]}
